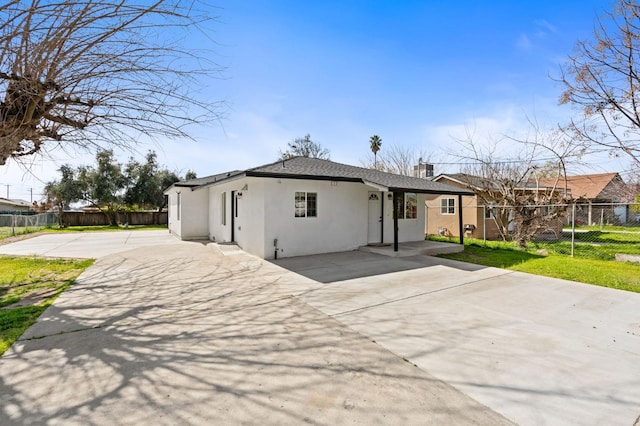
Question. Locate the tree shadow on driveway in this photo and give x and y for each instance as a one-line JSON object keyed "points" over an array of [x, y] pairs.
{"points": [[170, 336]]}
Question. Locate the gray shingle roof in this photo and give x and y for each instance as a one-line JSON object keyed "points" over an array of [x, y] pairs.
{"points": [[317, 169], [208, 179]]}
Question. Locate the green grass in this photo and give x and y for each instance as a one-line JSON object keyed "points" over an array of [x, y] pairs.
{"points": [[35, 282], [606, 273], [605, 228], [589, 244], [8, 231], [104, 228]]}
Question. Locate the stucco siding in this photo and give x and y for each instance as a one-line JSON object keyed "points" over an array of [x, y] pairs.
{"points": [[220, 213], [448, 225], [188, 217], [250, 221], [409, 229], [388, 217], [243, 208], [172, 209], [340, 225]]}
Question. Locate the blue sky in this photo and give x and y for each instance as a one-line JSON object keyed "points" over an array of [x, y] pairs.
{"points": [[414, 72]]}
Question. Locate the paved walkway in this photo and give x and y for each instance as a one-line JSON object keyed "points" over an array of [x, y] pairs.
{"points": [[538, 350], [187, 335]]}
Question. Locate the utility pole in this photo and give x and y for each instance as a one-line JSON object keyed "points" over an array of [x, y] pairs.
{"points": [[31, 192], [7, 185]]}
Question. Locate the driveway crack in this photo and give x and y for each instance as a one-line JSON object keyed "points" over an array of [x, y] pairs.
{"points": [[60, 333], [388, 302]]}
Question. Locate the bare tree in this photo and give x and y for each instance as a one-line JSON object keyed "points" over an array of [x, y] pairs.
{"points": [[602, 79], [522, 203], [305, 147], [396, 159], [98, 73], [399, 160]]}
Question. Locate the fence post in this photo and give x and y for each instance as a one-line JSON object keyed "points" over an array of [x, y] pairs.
{"points": [[484, 226], [13, 225], [573, 227]]}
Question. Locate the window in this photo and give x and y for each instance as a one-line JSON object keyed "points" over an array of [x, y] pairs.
{"points": [[223, 208], [407, 206], [410, 205], [447, 206], [306, 204], [490, 212], [178, 207]]}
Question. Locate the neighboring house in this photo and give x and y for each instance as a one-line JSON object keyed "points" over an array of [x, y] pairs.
{"points": [[592, 192], [9, 205], [303, 206], [479, 221]]}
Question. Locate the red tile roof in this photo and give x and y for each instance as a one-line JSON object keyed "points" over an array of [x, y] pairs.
{"points": [[583, 186]]}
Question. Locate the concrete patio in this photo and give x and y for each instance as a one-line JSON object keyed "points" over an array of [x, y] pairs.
{"points": [[414, 248]]}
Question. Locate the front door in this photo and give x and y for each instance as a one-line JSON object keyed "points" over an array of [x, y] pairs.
{"points": [[375, 217]]}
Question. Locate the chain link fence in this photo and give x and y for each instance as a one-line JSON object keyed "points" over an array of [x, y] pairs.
{"points": [[606, 231], [17, 223]]}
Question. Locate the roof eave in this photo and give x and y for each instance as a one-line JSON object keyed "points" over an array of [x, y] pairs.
{"points": [[431, 191], [302, 176]]}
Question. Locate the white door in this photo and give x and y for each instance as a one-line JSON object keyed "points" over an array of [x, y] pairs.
{"points": [[375, 217]]}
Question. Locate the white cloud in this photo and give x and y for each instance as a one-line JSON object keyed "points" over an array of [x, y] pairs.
{"points": [[544, 28], [524, 42]]}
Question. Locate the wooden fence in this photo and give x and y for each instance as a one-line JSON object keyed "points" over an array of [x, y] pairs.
{"points": [[99, 218]]}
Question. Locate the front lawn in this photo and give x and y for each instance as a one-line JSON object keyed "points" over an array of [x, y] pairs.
{"points": [[28, 285], [606, 273], [10, 231]]}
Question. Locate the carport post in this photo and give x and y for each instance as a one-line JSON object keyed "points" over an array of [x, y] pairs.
{"points": [[395, 221], [460, 224]]}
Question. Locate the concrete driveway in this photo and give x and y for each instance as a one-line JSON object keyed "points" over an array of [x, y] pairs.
{"points": [[188, 333], [184, 334], [540, 351], [88, 245]]}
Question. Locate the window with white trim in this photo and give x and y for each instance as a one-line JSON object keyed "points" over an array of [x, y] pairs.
{"points": [[306, 204], [447, 206]]}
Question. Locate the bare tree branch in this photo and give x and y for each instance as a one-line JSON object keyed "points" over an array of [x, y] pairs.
{"points": [[305, 147], [602, 80], [99, 73], [523, 202]]}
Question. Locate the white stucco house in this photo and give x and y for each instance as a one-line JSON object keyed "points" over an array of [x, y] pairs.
{"points": [[303, 206]]}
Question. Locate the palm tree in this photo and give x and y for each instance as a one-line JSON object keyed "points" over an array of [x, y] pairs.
{"points": [[376, 143]]}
